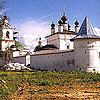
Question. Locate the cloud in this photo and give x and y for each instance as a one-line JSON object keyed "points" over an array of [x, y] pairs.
{"points": [[30, 30], [97, 30]]}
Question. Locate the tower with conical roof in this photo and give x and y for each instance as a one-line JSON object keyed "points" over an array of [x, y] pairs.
{"points": [[87, 48]]}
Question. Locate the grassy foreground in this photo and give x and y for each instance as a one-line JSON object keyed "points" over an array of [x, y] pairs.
{"points": [[10, 82]]}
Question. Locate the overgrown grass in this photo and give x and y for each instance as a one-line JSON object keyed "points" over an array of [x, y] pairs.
{"points": [[10, 81]]}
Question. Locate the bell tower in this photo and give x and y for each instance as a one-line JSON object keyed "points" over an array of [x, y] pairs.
{"points": [[6, 34]]}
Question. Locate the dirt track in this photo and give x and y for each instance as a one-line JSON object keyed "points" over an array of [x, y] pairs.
{"points": [[72, 92]]}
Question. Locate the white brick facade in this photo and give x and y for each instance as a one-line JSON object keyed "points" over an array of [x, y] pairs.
{"points": [[83, 53]]}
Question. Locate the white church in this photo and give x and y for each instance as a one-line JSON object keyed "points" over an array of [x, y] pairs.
{"points": [[66, 50]]}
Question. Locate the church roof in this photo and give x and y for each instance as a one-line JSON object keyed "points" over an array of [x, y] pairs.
{"points": [[46, 47], [87, 30], [67, 32]]}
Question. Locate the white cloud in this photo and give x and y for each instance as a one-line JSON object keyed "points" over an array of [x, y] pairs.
{"points": [[97, 30], [31, 30]]}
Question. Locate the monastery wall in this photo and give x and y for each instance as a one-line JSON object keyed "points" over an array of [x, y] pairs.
{"points": [[19, 59], [87, 54], [56, 61], [1, 61]]}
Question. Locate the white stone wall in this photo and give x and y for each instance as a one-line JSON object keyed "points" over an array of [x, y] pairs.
{"points": [[1, 61], [27, 60], [94, 52], [65, 42], [59, 61], [6, 44], [54, 39], [16, 53], [20, 59], [87, 54], [61, 41]]}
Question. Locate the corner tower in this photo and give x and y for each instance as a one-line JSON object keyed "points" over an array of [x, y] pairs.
{"points": [[87, 48]]}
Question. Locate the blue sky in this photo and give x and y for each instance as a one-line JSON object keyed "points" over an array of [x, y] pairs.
{"points": [[33, 17], [52, 9]]}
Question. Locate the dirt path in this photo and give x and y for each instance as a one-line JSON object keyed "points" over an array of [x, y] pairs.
{"points": [[73, 92]]}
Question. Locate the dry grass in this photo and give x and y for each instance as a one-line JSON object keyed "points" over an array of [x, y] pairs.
{"points": [[49, 86]]}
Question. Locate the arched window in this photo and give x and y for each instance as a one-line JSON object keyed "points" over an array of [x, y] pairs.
{"points": [[7, 34], [67, 46]]}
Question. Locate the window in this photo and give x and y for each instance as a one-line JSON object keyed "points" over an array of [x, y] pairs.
{"points": [[7, 34], [67, 46]]}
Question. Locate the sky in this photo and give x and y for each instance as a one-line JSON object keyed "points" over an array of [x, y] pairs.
{"points": [[32, 18]]}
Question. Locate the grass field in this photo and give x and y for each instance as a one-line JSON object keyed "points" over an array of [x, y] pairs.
{"points": [[49, 85]]}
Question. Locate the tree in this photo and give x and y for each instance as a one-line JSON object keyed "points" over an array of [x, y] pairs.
{"points": [[19, 45]]}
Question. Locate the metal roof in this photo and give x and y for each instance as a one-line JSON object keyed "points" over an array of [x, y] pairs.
{"points": [[87, 30]]}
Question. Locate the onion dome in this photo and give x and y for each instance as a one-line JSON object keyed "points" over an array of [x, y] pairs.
{"points": [[60, 22], [52, 26], [5, 17], [64, 18], [5, 20], [76, 23]]}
